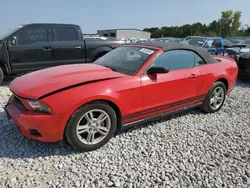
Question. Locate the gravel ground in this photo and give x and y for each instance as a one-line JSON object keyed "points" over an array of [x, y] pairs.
{"points": [[186, 150]]}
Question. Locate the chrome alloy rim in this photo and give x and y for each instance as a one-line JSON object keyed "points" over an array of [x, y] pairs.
{"points": [[217, 98], [93, 127]]}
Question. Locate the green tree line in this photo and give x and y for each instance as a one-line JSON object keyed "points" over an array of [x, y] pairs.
{"points": [[229, 25]]}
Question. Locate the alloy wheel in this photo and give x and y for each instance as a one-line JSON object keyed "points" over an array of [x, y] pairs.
{"points": [[217, 98], [93, 126]]}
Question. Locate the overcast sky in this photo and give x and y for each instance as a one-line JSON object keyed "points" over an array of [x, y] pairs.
{"points": [[92, 15]]}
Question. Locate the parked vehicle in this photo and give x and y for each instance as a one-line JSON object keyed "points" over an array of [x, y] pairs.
{"points": [[133, 40], [168, 39], [96, 38], [36, 46], [214, 45], [244, 66], [126, 40], [142, 40], [231, 52], [191, 37], [226, 41], [246, 49], [236, 48], [132, 84], [240, 42]]}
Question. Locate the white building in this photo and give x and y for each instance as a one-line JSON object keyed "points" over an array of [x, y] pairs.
{"points": [[125, 33]]}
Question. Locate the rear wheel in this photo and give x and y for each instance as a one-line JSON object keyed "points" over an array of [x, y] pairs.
{"points": [[100, 55], [215, 98], [1, 75], [91, 126]]}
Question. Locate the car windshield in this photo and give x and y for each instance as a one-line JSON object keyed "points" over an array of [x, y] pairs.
{"points": [[126, 59], [8, 33]]}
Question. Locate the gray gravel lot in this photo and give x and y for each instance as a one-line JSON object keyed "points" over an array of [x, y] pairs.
{"points": [[187, 150]]}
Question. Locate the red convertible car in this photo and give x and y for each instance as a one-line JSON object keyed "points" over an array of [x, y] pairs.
{"points": [[87, 104]]}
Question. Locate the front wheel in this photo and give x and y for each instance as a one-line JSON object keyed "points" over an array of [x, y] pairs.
{"points": [[91, 126], [215, 98]]}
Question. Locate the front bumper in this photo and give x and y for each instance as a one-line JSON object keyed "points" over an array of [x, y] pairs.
{"points": [[40, 127]]}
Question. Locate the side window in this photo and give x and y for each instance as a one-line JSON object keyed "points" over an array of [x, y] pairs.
{"points": [[217, 43], [31, 35], [198, 60], [66, 33], [175, 60], [209, 44]]}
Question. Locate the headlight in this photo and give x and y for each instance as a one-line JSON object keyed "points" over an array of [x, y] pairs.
{"points": [[38, 107]]}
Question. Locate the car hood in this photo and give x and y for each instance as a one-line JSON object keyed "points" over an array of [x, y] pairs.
{"points": [[234, 49], [39, 83]]}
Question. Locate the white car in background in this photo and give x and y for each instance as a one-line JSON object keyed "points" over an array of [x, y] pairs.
{"points": [[246, 49]]}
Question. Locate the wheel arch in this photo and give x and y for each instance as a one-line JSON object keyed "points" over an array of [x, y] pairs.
{"points": [[224, 81], [109, 102], [100, 51], [115, 108]]}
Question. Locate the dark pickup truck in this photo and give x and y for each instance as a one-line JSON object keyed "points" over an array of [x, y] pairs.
{"points": [[41, 45]]}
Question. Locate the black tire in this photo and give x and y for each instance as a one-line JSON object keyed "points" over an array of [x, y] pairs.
{"points": [[71, 127], [1, 75], [206, 106], [100, 55]]}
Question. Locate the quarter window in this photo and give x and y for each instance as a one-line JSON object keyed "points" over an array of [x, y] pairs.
{"points": [[198, 60], [31, 35], [175, 60], [66, 34]]}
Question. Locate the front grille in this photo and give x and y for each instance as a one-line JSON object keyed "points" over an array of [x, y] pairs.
{"points": [[19, 103]]}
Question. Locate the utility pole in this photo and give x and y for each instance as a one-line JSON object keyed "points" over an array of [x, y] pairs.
{"points": [[220, 28]]}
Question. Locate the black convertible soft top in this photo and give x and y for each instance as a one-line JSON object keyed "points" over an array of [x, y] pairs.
{"points": [[166, 46]]}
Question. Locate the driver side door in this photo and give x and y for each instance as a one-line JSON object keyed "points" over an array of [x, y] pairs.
{"points": [[176, 89], [31, 49]]}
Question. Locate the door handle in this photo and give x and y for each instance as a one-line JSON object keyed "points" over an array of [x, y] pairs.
{"points": [[78, 47], [192, 76]]}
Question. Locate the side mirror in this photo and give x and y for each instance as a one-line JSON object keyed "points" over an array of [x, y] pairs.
{"points": [[12, 41], [157, 70]]}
